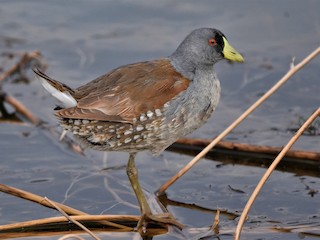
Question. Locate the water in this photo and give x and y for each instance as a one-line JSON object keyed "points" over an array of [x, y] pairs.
{"points": [[80, 40]]}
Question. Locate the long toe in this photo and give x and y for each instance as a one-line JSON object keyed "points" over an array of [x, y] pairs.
{"points": [[164, 219]]}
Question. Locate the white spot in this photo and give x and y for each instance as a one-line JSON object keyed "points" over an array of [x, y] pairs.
{"points": [[111, 130], [134, 120], [166, 105], [85, 121], [70, 120], [119, 143], [127, 140], [112, 144], [135, 137], [76, 122], [127, 132], [148, 126], [150, 114], [99, 127], [139, 128], [67, 127], [143, 117], [158, 112], [118, 136], [111, 126], [94, 138], [82, 133]]}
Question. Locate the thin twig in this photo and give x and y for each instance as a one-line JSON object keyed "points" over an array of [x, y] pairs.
{"points": [[72, 220], [289, 74], [25, 60], [270, 170]]}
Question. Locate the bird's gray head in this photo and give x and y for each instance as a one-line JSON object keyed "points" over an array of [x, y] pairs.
{"points": [[203, 46]]}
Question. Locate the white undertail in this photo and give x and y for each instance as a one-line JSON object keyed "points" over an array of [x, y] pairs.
{"points": [[64, 97]]}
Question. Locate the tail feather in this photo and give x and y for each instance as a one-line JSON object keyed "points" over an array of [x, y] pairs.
{"points": [[57, 89]]}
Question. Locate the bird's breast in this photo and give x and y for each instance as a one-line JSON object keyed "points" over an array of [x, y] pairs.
{"points": [[192, 108]]}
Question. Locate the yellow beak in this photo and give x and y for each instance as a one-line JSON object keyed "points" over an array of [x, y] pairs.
{"points": [[230, 53]]}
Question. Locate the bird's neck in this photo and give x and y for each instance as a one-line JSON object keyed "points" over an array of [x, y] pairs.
{"points": [[184, 66], [187, 67]]}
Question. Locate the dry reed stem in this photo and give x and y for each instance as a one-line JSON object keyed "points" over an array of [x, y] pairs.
{"points": [[270, 170], [287, 76], [41, 200], [310, 229], [37, 199], [52, 220], [72, 220], [215, 225]]}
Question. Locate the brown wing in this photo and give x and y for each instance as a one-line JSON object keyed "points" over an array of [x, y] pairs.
{"points": [[127, 92]]}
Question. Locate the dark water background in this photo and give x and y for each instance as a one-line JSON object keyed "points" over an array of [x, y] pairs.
{"points": [[80, 40]]}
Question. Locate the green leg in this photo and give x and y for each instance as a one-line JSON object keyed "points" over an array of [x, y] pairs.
{"points": [[146, 214], [132, 173]]}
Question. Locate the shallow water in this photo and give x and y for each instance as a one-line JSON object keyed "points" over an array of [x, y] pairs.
{"points": [[82, 40]]}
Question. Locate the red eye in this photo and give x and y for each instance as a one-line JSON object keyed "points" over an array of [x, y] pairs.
{"points": [[212, 41]]}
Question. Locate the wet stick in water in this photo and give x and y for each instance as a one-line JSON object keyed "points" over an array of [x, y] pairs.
{"points": [[129, 219], [249, 148], [286, 77], [19, 107]]}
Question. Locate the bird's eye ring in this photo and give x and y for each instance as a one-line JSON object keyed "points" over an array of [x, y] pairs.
{"points": [[212, 42]]}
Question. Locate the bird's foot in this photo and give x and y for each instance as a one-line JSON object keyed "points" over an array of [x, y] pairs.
{"points": [[165, 219]]}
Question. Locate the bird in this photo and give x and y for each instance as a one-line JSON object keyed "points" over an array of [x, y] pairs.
{"points": [[146, 105]]}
